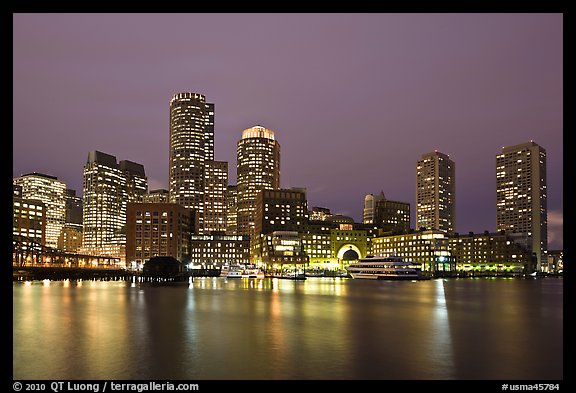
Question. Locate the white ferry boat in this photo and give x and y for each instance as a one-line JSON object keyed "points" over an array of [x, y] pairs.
{"points": [[233, 271], [390, 267], [252, 272], [240, 271]]}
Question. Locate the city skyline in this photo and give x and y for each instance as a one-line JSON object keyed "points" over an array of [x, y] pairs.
{"points": [[408, 84]]}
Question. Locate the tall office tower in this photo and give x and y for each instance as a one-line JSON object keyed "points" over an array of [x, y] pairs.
{"points": [[436, 192], [191, 143], [52, 192], [215, 190], [73, 209], [70, 239], [257, 168], [521, 197], [209, 134], [231, 214], [108, 187], [136, 181]]}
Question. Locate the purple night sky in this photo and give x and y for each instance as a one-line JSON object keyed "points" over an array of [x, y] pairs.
{"points": [[354, 99]]}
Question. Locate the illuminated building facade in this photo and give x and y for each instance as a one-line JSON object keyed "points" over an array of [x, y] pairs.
{"points": [[334, 243], [191, 144], [52, 192], [158, 229], [28, 229], [555, 262], [279, 215], [108, 188], [521, 197], [280, 210], [391, 216], [70, 239], [493, 253], [435, 192], [215, 251], [317, 243], [430, 248], [258, 168], [215, 190], [231, 210], [275, 251]]}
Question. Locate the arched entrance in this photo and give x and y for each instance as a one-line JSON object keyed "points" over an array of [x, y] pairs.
{"points": [[350, 255], [347, 251]]}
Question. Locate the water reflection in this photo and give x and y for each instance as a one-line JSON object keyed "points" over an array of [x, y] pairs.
{"points": [[321, 328]]}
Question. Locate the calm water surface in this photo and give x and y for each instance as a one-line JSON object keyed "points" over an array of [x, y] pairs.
{"points": [[321, 328]]}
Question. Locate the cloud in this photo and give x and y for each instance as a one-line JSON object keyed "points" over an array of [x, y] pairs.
{"points": [[555, 229]]}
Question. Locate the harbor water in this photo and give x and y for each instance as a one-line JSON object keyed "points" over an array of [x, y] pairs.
{"points": [[214, 328]]}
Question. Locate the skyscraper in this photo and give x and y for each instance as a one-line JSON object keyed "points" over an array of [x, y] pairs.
{"points": [[191, 144], [52, 192], [215, 190], [70, 239], [521, 196], [435, 192], [232, 208], [108, 187], [257, 168]]}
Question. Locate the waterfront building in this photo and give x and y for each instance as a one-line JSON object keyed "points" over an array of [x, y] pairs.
{"points": [[191, 144], [319, 213], [317, 244], [279, 218], [28, 229], [70, 239], [279, 251], [216, 250], [158, 229], [108, 188], [491, 253], [555, 262], [280, 210], [521, 197], [231, 210], [435, 192], [52, 192], [334, 243], [215, 190], [258, 168], [160, 195], [347, 242], [430, 248]]}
